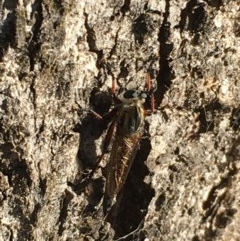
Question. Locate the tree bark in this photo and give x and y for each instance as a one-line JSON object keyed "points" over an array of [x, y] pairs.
{"points": [[58, 61]]}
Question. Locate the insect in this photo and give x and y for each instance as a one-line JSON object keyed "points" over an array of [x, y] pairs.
{"points": [[125, 132], [129, 124]]}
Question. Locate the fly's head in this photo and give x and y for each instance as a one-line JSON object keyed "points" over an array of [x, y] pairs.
{"points": [[134, 97], [132, 107], [140, 97]]}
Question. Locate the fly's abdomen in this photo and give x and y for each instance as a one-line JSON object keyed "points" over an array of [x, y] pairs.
{"points": [[123, 152]]}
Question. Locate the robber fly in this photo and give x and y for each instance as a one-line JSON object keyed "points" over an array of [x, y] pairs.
{"points": [[127, 127]]}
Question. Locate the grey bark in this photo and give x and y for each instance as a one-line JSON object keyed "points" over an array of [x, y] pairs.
{"points": [[184, 183]]}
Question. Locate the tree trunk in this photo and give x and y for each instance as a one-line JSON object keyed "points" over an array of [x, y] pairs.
{"points": [[58, 62]]}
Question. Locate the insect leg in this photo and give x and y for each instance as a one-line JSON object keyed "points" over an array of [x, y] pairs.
{"points": [[78, 107], [109, 135], [114, 86], [96, 114], [106, 143], [116, 100], [150, 90]]}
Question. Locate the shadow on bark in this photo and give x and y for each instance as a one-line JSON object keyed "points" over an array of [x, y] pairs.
{"points": [[134, 199]]}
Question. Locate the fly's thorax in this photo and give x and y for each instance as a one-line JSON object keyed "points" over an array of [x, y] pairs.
{"points": [[131, 117]]}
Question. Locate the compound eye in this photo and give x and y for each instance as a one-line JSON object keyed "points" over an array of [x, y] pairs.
{"points": [[143, 95], [135, 94], [129, 94]]}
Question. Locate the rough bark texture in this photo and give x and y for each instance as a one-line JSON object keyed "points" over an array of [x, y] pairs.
{"points": [[184, 183]]}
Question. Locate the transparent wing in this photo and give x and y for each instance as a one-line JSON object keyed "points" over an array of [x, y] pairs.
{"points": [[123, 153]]}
